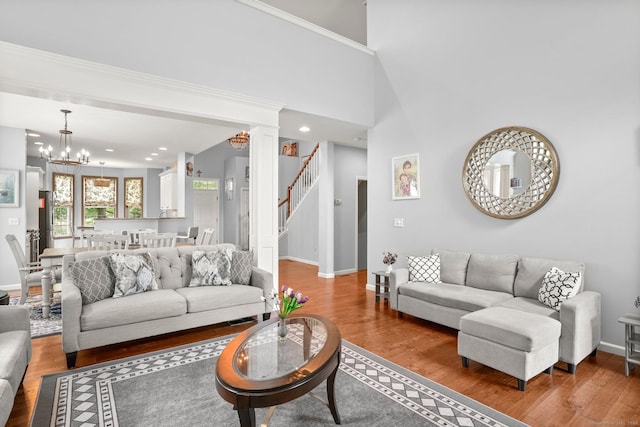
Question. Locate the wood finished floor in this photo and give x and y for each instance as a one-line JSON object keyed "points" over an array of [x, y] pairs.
{"points": [[599, 393]]}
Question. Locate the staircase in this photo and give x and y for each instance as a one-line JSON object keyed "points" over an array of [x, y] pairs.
{"points": [[296, 192]]}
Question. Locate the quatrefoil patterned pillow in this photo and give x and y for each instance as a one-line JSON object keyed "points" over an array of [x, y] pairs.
{"points": [[558, 286], [424, 268]]}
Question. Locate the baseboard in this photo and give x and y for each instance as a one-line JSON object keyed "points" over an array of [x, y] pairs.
{"points": [[345, 272], [370, 287], [304, 261], [611, 348], [326, 276]]}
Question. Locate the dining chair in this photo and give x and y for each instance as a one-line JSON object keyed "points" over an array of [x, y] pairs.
{"points": [[107, 242], [134, 236], [162, 240], [206, 237], [191, 236], [85, 234], [30, 272]]}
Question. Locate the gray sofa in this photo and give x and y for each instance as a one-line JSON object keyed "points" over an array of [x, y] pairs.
{"points": [[474, 281], [174, 306], [15, 354]]}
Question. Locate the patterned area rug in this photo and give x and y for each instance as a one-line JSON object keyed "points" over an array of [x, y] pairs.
{"points": [[176, 387], [43, 327]]}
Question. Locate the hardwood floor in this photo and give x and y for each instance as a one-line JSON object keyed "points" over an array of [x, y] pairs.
{"points": [[598, 394]]}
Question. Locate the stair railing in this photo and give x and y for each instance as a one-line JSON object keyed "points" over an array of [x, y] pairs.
{"points": [[301, 184]]}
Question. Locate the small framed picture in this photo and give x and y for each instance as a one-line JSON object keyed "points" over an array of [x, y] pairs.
{"points": [[9, 188], [406, 177]]}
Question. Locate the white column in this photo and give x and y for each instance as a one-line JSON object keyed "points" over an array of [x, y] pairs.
{"points": [[325, 214], [263, 198], [181, 182]]}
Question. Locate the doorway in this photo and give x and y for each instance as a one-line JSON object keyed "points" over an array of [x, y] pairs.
{"points": [[206, 207], [361, 224]]}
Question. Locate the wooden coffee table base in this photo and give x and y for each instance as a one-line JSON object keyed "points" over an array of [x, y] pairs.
{"points": [[247, 415], [246, 395]]}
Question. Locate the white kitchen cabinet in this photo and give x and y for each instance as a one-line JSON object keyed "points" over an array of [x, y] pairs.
{"points": [[168, 190]]}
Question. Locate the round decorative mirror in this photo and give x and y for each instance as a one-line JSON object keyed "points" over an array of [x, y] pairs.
{"points": [[510, 172]]}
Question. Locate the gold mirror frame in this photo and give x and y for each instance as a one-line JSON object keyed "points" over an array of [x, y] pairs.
{"points": [[545, 170]]}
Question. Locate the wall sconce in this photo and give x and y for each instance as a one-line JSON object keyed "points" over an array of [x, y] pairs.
{"points": [[228, 188]]}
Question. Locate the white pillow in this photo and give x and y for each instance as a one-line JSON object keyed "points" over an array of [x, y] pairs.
{"points": [[558, 286], [424, 269]]}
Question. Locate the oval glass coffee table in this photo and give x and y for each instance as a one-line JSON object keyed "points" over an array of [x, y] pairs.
{"points": [[260, 369]]}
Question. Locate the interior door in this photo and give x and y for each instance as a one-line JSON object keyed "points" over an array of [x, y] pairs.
{"points": [[206, 211], [244, 218]]}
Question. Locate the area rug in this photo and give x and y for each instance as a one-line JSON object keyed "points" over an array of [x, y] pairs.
{"points": [[176, 387], [41, 327]]}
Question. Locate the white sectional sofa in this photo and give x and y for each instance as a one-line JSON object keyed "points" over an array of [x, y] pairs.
{"points": [[15, 354], [174, 306], [475, 281]]}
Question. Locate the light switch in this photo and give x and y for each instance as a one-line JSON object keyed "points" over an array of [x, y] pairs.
{"points": [[398, 222], [14, 221]]}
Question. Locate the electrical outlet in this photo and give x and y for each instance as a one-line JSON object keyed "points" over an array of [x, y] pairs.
{"points": [[14, 221], [398, 222]]}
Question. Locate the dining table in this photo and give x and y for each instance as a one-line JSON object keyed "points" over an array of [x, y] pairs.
{"points": [[50, 258]]}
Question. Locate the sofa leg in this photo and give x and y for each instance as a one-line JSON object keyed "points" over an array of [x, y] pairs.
{"points": [[24, 374], [571, 368], [522, 384], [549, 370], [465, 362], [400, 314], [71, 359], [593, 353]]}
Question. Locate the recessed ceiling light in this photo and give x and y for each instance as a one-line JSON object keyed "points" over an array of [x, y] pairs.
{"points": [[162, 148], [154, 154], [35, 135], [110, 150], [148, 159], [38, 142], [304, 129]]}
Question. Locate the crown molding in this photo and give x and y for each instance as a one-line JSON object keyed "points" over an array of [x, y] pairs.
{"points": [[266, 8]]}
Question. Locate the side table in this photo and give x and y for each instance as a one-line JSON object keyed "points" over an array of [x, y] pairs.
{"points": [[631, 341], [382, 279]]}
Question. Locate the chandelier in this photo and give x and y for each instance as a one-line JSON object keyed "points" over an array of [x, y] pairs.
{"points": [[64, 156], [239, 141]]}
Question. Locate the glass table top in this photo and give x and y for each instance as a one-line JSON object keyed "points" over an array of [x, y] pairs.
{"points": [[265, 355]]}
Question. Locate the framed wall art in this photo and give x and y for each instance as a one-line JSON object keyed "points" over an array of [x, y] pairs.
{"points": [[9, 188], [405, 172]]}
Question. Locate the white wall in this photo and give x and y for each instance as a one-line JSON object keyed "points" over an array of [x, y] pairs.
{"points": [[449, 72], [13, 148]]}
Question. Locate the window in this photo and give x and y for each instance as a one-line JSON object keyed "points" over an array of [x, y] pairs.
{"points": [[99, 198], [133, 197], [205, 184], [62, 205]]}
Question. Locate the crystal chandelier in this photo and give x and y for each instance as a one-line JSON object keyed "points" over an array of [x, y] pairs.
{"points": [[239, 141], [64, 156]]}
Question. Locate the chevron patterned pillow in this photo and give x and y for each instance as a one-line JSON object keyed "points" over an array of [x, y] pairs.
{"points": [[424, 269], [558, 286]]}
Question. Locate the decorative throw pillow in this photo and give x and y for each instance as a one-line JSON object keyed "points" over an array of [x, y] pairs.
{"points": [[424, 269], [94, 278], [134, 274], [558, 286], [241, 263], [211, 268]]}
